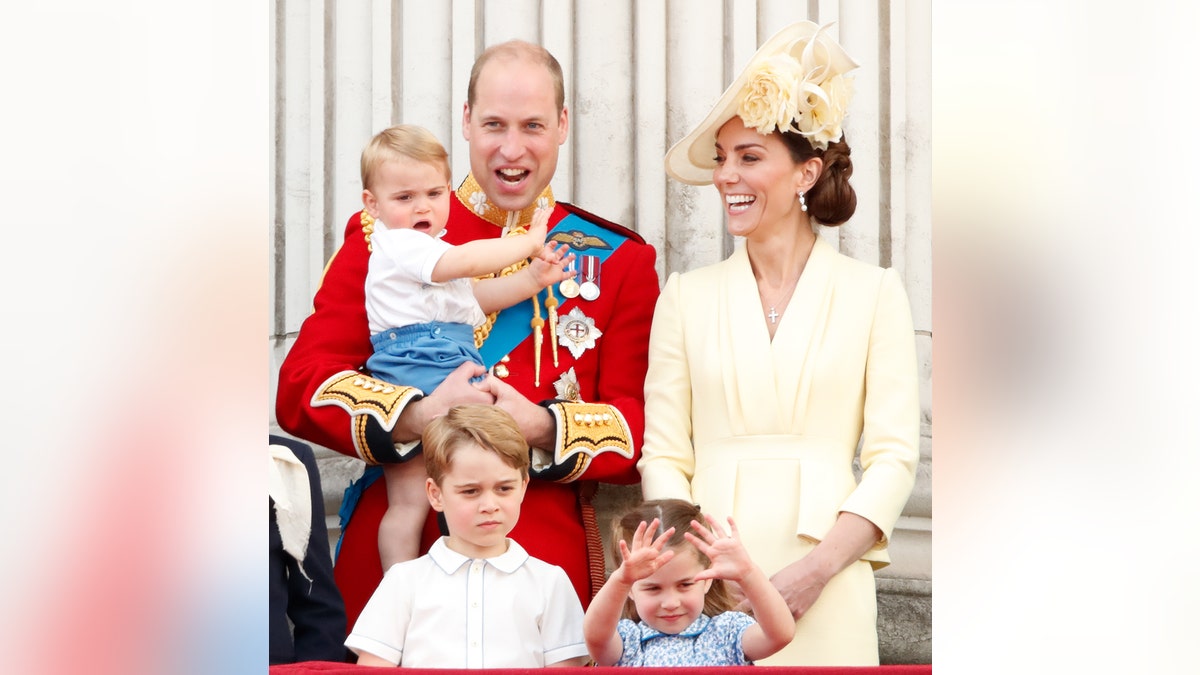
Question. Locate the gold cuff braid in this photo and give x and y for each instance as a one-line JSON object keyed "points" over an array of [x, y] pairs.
{"points": [[360, 394], [587, 430]]}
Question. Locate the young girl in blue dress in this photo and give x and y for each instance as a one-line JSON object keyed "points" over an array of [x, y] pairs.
{"points": [[668, 604]]}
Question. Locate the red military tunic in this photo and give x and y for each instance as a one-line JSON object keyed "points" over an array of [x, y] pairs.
{"points": [[324, 398]]}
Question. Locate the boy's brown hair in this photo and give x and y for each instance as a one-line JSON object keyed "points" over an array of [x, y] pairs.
{"points": [[487, 426], [403, 141]]}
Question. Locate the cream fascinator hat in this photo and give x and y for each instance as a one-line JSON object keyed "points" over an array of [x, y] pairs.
{"points": [[794, 83]]}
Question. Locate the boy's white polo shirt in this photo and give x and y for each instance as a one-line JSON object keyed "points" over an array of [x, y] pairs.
{"points": [[445, 610]]}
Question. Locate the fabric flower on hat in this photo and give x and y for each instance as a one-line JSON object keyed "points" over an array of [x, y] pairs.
{"points": [[802, 89], [821, 109], [768, 100]]}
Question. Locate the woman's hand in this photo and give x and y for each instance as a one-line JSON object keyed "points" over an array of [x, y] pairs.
{"points": [[800, 584]]}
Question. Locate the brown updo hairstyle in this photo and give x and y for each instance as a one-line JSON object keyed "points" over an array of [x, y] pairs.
{"points": [[674, 513], [831, 200]]}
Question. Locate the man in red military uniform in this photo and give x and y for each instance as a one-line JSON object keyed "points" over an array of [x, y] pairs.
{"points": [[568, 364]]}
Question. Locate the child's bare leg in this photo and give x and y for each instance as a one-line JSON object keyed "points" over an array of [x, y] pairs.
{"points": [[400, 529]]}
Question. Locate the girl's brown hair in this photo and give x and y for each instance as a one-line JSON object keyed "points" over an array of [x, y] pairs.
{"points": [[674, 513]]}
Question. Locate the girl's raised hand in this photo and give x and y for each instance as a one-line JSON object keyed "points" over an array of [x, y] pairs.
{"points": [[646, 555], [729, 558]]}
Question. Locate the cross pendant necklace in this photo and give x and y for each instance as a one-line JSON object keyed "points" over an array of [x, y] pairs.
{"points": [[772, 315]]}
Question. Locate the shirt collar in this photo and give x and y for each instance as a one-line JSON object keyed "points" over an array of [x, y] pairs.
{"points": [[697, 627], [450, 561], [473, 197]]}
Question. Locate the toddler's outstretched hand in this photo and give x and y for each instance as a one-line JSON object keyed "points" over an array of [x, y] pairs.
{"points": [[646, 555], [538, 227], [549, 265]]}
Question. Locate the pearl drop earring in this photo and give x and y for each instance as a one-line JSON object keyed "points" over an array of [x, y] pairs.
{"points": [[800, 196]]}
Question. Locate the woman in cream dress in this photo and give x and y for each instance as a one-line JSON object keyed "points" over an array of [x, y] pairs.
{"points": [[768, 368]]}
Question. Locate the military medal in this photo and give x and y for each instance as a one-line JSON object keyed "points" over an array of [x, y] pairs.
{"points": [[590, 288], [569, 287], [578, 332], [567, 386]]}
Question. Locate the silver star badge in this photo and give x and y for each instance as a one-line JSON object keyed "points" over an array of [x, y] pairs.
{"points": [[578, 332]]}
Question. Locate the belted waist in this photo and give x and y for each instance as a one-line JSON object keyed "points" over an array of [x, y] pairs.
{"points": [[459, 332], [799, 479], [773, 446]]}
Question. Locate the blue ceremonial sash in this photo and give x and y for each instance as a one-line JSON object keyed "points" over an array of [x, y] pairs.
{"points": [[350, 497], [512, 325]]}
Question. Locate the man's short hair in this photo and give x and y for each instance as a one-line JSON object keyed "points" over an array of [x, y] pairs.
{"points": [[519, 49]]}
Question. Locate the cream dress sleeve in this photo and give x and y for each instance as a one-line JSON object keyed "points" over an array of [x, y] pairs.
{"points": [[668, 461]]}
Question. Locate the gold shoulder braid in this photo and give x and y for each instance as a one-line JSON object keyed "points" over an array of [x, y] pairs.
{"points": [[368, 226]]}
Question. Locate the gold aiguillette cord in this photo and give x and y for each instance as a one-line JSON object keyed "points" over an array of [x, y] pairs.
{"points": [[552, 312], [536, 324]]}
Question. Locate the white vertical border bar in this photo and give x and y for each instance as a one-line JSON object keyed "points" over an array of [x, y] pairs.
{"points": [[351, 125], [650, 131], [858, 32], [277, 252], [774, 15], [512, 20], [603, 124], [384, 97], [918, 217], [695, 79], [320, 103], [918, 142], [425, 81], [896, 134], [827, 11], [558, 35], [465, 45], [300, 109]]}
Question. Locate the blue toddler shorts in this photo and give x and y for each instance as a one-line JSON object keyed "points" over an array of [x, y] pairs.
{"points": [[422, 355]]}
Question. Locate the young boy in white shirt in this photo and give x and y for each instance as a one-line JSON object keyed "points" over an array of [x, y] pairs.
{"points": [[477, 599], [423, 301]]}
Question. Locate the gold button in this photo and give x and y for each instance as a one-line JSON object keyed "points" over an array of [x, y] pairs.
{"points": [[500, 371]]}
